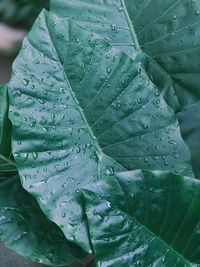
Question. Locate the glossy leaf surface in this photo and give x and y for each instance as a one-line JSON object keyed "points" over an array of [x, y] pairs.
{"points": [[26, 230], [155, 221], [81, 109], [163, 36]]}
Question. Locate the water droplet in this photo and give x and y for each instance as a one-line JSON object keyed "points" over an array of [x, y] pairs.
{"points": [[78, 150], [18, 93], [109, 170], [145, 126], [99, 217], [66, 164], [122, 82], [113, 27], [176, 155], [89, 145], [62, 90], [41, 101], [35, 155], [139, 70], [37, 61], [156, 135], [120, 9], [118, 105], [198, 12], [108, 70], [17, 155], [157, 93], [172, 142], [174, 17], [114, 58], [63, 214], [25, 82]]}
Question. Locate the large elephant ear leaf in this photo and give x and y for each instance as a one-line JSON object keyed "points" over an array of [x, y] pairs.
{"points": [[6, 162], [82, 109], [168, 32], [145, 227], [26, 230]]}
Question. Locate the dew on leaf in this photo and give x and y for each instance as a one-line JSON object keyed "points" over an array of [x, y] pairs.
{"points": [[37, 61], [109, 170], [120, 9], [157, 93], [108, 70], [18, 93], [145, 126], [63, 214], [113, 27], [35, 155], [78, 150], [25, 82]]}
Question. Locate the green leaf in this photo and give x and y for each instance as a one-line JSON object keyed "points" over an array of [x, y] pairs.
{"points": [[164, 36], [6, 162], [82, 109], [190, 129], [154, 223], [26, 230]]}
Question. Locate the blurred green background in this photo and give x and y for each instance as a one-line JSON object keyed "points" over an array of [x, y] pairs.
{"points": [[21, 13]]}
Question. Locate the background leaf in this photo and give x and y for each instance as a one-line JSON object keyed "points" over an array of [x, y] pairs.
{"points": [[145, 227], [163, 37], [6, 162], [190, 129], [80, 110], [26, 230]]}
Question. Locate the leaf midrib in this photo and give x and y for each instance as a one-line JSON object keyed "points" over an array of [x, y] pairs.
{"points": [[93, 138], [131, 28]]}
